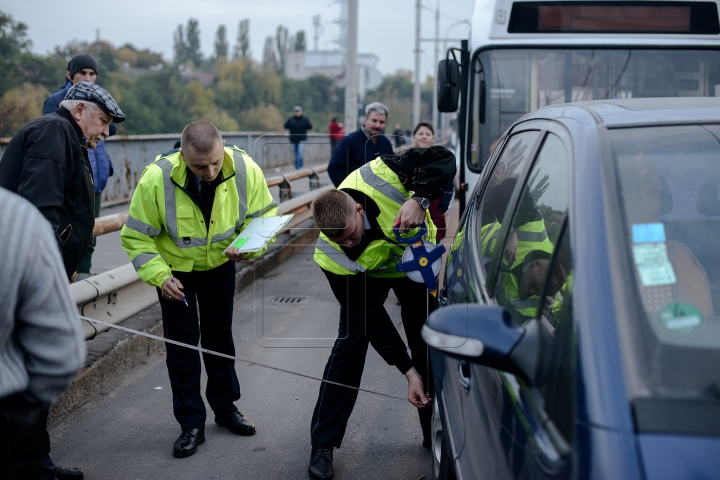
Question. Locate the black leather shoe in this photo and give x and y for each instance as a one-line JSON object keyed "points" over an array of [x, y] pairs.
{"points": [[427, 443], [237, 423], [188, 441], [62, 473], [321, 458]]}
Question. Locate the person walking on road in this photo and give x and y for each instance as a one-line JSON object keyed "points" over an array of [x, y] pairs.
{"points": [[188, 207], [362, 145], [358, 253], [47, 163], [398, 136], [84, 67], [41, 339], [336, 133], [298, 125]]}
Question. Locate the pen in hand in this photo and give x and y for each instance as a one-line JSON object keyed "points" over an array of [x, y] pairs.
{"points": [[183, 298]]}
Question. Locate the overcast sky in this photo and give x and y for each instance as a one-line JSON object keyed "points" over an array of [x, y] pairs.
{"points": [[386, 27]]}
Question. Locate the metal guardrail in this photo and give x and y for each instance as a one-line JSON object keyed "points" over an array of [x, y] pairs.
{"points": [[118, 294]]}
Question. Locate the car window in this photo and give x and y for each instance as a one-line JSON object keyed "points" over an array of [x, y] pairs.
{"points": [[523, 262], [502, 182]]}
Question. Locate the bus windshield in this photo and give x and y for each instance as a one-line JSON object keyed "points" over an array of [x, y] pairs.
{"points": [[517, 81]]}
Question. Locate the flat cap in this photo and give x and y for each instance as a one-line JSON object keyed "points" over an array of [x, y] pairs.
{"points": [[91, 92]]}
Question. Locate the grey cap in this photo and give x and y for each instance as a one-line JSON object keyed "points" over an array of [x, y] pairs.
{"points": [[297, 108], [92, 92]]}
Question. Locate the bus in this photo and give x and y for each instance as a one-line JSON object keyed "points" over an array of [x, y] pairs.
{"points": [[524, 55]]}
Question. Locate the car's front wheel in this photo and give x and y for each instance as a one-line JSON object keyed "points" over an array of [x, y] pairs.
{"points": [[442, 465]]}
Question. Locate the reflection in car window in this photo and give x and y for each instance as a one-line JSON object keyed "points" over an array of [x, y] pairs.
{"points": [[500, 186], [558, 389], [524, 260], [669, 181]]}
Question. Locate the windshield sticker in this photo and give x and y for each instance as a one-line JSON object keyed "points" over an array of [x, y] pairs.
{"points": [[653, 265], [648, 232], [681, 317], [650, 254]]}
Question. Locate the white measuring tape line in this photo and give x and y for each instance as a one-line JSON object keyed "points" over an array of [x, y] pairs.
{"points": [[211, 352]]}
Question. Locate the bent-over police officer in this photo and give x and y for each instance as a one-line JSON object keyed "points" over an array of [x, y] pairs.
{"points": [[358, 253], [188, 207]]}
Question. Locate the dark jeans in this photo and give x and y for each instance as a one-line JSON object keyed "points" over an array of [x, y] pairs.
{"points": [[364, 321], [213, 291], [85, 264], [23, 439]]}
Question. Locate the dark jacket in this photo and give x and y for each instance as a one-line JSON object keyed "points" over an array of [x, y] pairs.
{"points": [[298, 127], [46, 163], [102, 166], [354, 151]]}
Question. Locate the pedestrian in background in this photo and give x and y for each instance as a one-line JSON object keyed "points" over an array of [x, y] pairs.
{"points": [[84, 67], [41, 340], [398, 136], [362, 145], [298, 126], [424, 137], [336, 133], [175, 239]]}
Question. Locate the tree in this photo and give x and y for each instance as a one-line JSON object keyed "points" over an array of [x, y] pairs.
{"points": [[13, 37], [230, 87], [192, 42], [300, 45], [20, 105], [281, 41], [242, 47], [179, 47], [268, 58], [221, 44]]}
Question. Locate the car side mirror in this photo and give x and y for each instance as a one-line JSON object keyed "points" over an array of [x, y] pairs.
{"points": [[448, 86], [486, 335]]}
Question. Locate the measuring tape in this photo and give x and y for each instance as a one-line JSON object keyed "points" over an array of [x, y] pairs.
{"points": [[211, 352]]}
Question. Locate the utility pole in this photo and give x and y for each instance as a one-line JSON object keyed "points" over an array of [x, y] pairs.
{"points": [[416, 89], [351, 100], [435, 113]]}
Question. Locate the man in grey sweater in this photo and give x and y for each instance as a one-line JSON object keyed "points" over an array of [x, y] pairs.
{"points": [[41, 341]]}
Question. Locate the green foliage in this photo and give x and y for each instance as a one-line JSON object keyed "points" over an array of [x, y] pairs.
{"points": [[13, 37], [20, 105], [281, 42], [396, 91], [221, 44], [300, 43], [242, 46]]}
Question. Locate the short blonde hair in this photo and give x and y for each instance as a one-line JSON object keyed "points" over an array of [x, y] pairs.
{"points": [[200, 137], [332, 211]]}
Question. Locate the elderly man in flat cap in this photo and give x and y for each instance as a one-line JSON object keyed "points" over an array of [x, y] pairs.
{"points": [[47, 163]]}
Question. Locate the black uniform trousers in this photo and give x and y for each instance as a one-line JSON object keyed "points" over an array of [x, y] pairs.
{"points": [[363, 321], [213, 290]]}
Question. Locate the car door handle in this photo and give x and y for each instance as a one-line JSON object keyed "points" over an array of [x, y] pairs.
{"points": [[464, 374]]}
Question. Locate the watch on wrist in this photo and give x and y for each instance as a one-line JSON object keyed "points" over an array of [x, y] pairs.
{"points": [[424, 202]]}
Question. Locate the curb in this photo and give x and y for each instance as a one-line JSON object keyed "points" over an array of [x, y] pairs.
{"points": [[114, 352]]}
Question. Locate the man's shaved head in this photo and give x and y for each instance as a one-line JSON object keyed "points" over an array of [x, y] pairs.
{"points": [[200, 138]]}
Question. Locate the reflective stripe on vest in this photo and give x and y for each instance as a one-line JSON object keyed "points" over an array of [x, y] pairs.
{"points": [[381, 185], [486, 240], [241, 184], [338, 256], [143, 258], [141, 227]]}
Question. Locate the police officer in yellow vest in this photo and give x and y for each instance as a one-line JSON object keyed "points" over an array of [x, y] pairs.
{"points": [[357, 251], [188, 207]]}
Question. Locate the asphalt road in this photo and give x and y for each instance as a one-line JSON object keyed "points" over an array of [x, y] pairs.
{"points": [[127, 431]]}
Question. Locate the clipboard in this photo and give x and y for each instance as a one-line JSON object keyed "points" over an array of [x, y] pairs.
{"points": [[258, 233]]}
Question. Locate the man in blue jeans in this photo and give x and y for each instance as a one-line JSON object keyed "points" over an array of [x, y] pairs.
{"points": [[298, 125]]}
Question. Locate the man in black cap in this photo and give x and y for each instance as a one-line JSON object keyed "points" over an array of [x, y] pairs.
{"points": [[47, 163], [83, 68]]}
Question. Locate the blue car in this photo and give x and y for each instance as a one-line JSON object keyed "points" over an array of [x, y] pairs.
{"points": [[578, 337]]}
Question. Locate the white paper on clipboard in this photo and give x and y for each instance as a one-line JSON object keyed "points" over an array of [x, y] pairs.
{"points": [[258, 233]]}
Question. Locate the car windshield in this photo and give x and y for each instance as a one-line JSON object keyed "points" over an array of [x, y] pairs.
{"points": [[518, 81], [669, 189]]}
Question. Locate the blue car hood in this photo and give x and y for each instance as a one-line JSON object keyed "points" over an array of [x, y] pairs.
{"points": [[680, 456]]}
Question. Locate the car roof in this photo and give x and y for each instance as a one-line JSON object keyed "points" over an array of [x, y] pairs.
{"points": [[636, 111]]}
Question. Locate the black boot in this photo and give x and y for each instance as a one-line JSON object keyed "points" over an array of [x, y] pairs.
{"points": [[62, 473], [321, 458]]}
